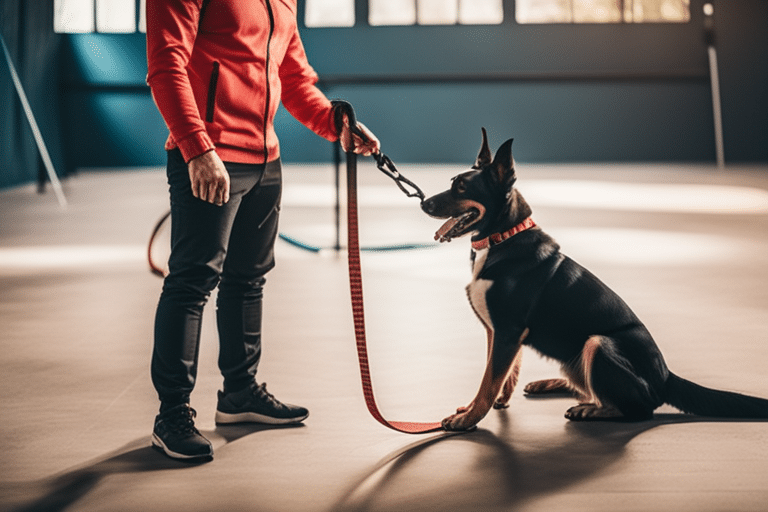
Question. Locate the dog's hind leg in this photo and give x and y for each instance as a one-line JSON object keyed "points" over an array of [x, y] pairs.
{"points": [[615, 391], [550, 387], [502, 401]]}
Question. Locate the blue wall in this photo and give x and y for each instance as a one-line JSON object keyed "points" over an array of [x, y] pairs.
{"points": [[112, 120], [566, 93]]}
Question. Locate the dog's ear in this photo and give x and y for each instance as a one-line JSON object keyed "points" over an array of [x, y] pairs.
{"points": [[504, 163], [484, 157]]}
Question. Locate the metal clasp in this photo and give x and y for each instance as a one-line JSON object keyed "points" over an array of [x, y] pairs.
{"points": [[386, 166]]}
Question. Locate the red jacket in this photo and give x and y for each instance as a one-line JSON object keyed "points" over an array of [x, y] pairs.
{"points": [[220, 86]]}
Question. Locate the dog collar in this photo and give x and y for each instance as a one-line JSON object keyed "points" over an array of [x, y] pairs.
{"points": [[497, 238]]}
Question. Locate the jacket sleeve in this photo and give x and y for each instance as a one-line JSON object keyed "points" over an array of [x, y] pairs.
{"points": [[300, 96], [171, 31]]}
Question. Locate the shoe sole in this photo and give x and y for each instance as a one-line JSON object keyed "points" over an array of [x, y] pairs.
{"points": [[159, 444], [225, 418]]}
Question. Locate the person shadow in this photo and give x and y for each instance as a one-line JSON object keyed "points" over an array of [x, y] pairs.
{"points": [[478, 470], [57, 493], [483, 470]]}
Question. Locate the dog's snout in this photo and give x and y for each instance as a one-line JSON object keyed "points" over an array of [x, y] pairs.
{"points": [[428, 206]]}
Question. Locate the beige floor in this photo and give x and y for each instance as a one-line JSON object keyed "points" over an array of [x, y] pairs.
{"points": [[685, 246]]}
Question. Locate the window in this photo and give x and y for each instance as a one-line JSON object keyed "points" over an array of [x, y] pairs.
{"points": [[142, 15], [341, 13], [73, 16], [602, 11], [481, 12], [329, 13], [113, 16], [392, 12], [466, 12]]}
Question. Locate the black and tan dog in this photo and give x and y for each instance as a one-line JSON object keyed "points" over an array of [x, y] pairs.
{"points": [[526, 292]]}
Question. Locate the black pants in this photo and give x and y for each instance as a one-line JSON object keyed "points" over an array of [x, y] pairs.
{"points": [[231, 246]]}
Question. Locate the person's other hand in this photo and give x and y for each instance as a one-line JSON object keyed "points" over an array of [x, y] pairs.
{"points": [[351, 142], [209, 178]]}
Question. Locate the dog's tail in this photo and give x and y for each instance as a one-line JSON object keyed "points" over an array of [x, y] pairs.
{"points": [[695, 399]]}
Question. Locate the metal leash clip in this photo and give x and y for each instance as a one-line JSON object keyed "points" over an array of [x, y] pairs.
{"points": [[386, 166], [383, 162]]}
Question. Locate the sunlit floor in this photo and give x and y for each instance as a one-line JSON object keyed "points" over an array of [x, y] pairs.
{"points": [[686, 246]]}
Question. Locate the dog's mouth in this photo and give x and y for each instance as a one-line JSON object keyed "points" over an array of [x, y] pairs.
{"points": [[457, 226]]}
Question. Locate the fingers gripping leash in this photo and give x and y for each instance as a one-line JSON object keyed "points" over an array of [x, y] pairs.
{"points": [[355, 270]]}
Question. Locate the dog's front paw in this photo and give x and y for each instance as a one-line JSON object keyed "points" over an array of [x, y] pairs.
{"points": [[501, 404], [459, 421]]}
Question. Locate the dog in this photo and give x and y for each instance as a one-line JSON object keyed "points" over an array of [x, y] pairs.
{"points": [[526, 292]]}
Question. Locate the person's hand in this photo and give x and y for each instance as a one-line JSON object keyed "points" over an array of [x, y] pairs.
{"points": [[209, 178], [351, 142]]}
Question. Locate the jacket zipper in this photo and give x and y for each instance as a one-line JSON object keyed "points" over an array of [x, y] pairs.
{"points": [[211, 105], [268, 92]]}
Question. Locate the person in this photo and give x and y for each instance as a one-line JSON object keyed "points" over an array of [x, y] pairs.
{"points": [[218, 70]]}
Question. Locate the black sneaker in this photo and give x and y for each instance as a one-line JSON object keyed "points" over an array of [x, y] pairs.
{"points": [[176, 435], [255, 404]]}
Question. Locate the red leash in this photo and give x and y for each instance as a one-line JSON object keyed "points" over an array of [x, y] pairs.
{"points": [[356, 289]]}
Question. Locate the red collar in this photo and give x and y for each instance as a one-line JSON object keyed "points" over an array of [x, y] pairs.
{"points": [[497, 238]]}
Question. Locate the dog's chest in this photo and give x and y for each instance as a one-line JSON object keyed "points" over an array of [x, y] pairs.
{"points": [[478, 288]]}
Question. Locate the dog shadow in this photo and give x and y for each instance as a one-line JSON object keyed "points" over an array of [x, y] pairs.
{"points": [[483, 470], [57, 493]]}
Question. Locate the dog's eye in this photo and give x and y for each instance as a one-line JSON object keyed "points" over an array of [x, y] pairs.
{"points": [[460, 186]]}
